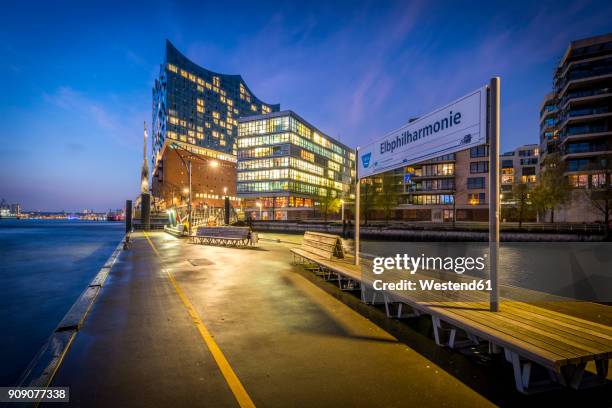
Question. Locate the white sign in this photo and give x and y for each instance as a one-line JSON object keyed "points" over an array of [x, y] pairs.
{"points": [[456, 126]]}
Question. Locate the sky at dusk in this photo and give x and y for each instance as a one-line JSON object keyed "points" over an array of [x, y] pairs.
{"points": [[76, 78]]}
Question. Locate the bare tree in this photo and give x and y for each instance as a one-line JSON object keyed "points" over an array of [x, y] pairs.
{"points": [[520, 193], [367, 195], [387, 198], [330, 204], [599, 191], [552, 188]]}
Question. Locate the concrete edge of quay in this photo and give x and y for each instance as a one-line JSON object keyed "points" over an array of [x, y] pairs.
{"points": [[44, 365]]}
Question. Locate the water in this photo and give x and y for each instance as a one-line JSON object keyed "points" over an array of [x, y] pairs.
{"points": [[577, 270], [44, 266]]}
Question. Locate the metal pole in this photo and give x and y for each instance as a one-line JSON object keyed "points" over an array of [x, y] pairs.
{"points": [[343, 211], [128, 216], [189, 197], [494, 191], [357, 203]]}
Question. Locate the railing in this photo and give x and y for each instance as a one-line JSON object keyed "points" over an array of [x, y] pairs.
{"points": [[584, 94]]}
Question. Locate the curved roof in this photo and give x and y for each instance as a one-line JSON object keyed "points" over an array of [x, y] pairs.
{"points": [[175, 57]]}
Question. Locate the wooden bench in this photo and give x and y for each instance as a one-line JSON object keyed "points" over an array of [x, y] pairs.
{"points": [[228, 236], [317, 246], [560, 343]]}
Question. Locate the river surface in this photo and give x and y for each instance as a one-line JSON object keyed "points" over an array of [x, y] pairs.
{"points": [[44, 266], [577, 270]]}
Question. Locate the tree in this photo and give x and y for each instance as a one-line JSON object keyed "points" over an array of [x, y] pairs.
{"points": [[387, 198], [330, 204], [599, 191], [520, 193], [552, 188], [367, 197]]}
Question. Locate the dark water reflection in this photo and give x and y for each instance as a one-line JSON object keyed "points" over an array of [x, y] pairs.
{"points": [[44, 266], [579, 270]]}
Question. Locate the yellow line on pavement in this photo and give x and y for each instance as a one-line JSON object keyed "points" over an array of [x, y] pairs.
{"points": [[230, 376]]}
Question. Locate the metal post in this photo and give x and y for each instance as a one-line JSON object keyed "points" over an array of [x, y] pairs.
{"points": [[189, 197], [494, 191], [357, 203], [128, 216], [342, 202]]}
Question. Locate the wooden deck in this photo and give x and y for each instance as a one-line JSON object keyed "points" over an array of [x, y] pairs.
{"points": [[561, 343]]}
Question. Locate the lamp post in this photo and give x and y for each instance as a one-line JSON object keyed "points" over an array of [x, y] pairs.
{"points": [[342, 211]]}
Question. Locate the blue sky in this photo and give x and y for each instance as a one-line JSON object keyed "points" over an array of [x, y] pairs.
{"points": [[77, 78]]}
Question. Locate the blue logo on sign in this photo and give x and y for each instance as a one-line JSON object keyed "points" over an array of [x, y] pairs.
{"points": [[365, 159], [466, 139]]}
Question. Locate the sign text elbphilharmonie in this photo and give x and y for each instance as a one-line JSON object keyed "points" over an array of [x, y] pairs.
{"points": [[456, 126]]}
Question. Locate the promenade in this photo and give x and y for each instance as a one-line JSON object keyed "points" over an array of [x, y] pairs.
{"points": [[179, 325]]}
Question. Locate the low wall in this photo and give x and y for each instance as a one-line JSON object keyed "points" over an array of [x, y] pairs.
{"points": [[396, 234]]}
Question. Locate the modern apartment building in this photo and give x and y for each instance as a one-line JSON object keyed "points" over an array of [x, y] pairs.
{"points": [[519, 166], [196, 111], [287, 167], [447, 186], [576, 120]]}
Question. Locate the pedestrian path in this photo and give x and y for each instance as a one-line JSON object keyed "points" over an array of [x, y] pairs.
{"points": [[178, 325]]}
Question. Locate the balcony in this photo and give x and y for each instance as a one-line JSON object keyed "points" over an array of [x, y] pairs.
{"points": [[583, 79], [584, 132], [592, 113], [585, 95]]}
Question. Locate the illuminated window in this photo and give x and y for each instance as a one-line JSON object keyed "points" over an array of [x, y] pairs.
{"points": [[216, 115], [476, 198], [254, 108], [173, 120], [307, 155], [172, 68], [215, 133], [598, 180], [184, 73], [216, 81]]}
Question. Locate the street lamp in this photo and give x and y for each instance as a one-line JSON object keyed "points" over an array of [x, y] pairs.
{"points": [[342, 203]]}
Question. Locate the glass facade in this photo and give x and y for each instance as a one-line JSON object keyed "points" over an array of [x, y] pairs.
{"points": [[199, 107], [284, 162]]}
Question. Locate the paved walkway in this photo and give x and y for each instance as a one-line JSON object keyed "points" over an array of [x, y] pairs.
{"points": [[185, 325]]}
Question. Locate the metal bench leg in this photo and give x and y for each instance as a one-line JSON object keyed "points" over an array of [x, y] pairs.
{"points": [[572, 375], [602, 368], [439, 330], [522, 371], [386, 299]]}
